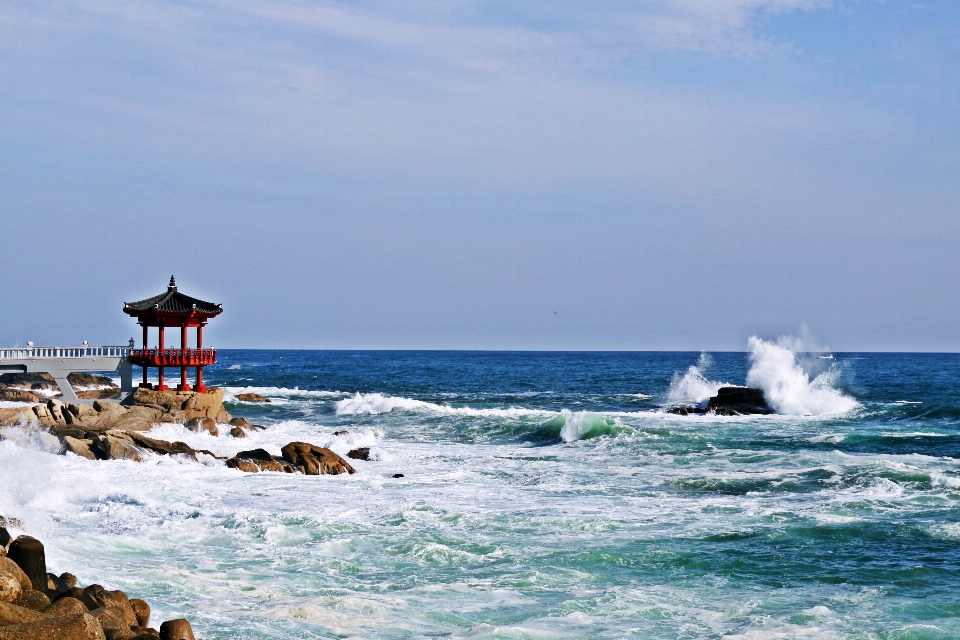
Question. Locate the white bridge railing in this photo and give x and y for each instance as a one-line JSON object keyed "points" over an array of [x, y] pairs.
{"points": [[85, 351]]}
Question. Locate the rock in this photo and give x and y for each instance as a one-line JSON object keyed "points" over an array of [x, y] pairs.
{"points": [[111, 619], [164, 447], [10, 567], [397, 475], [5, 538], [90, 380], [81, 626], [203, 424], [237, 432], [54, 583], [56, 410], [44, 417], [243, 423], [33, 599], [223, 417], [251, 397], [363, 453], [65, 607], [15, 614], [340, 433], [313, 460], [176, 630], [98, 394], [27, 553], [69, 579], [142, 611], [18, 395], [739, 401], [259, 460], [10, 589], [114, 447], [122, 603], [17, 415], [78, 447]]}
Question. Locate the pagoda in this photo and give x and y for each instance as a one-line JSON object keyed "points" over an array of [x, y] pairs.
{"points": [[173, 309]]}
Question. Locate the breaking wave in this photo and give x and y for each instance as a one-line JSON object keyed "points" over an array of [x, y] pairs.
{"points": [[693, 387], [376, 403], [788, 388]]}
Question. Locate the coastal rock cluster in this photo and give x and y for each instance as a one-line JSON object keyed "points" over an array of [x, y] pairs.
{"points": [[34, 387], [731, 401], [113, 431], [37, 605]]}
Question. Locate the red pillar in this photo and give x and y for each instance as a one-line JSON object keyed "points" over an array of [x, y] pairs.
{"points": [[145, 384], [183, 354], [162, 386], [200, 388]]}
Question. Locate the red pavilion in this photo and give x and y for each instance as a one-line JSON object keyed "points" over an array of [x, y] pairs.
{"points": [[173, 309]]}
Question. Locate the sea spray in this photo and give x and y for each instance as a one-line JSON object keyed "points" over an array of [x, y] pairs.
{"points": [[788, 388], [693, 387]]}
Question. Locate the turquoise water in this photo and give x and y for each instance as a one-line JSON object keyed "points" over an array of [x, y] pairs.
{"points": [[545, 495]]}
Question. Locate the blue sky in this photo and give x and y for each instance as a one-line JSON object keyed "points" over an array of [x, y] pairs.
{"points": [[485, 175]]}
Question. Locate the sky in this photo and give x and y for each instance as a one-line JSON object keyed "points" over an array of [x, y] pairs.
{"points": [[473, 174]]}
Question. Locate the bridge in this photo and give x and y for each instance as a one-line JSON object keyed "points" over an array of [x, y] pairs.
{"points": [[60, 362]]}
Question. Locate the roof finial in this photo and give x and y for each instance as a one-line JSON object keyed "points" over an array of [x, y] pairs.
{"points": [[173, 284]]}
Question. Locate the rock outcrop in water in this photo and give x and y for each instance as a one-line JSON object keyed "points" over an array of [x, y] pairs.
{"points": [[37, 605], [297, 457], [732, 401]]}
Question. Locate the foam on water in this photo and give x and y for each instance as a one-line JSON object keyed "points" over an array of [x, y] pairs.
{"points": [[693, 387], [376, 404]]}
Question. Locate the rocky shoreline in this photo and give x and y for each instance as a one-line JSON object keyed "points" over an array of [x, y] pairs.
{"points": [[114, 431], [38, 605]]}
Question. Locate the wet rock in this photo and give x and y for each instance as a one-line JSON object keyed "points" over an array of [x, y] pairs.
{"points": [[115, 446], [313, 460], [65, 607], [82, 626], [340, 433], [259, 460], [5, 538], [55, 584], [55, 407], [10, 589], [203, 424], [739, 401], [43, 415], [69, 579], [237, 432], [112, 620], [15, 614], [397, 475], [33, 599], [142, 611], [121, 602], [78, 447], [164, 447], [363, 453], [27, 553], [176, 630], [15, 416], [97, 394], [90, 380], [251, 397], [243, 423]]}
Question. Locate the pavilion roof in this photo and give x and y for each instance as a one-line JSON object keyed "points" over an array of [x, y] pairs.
{"points": [[173, 302]]}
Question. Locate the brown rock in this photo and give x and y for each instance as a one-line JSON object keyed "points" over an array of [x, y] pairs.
{"points": [[15, 416], [90, 380], [33, 599], [362, 453], [122, 603], [203, 424], [66, 607], [44, 417], [142, 611], [18, 395], [69, 579], [237, 432], [82, 626], [78, 447], [243, 423], [55, 584], [116, 446], [340, 433], [5, 538], [261, 459], [162, 446], [97, 394], [204, 404], [27, 553], [248, 466], [111, 619], [223, 417], [10, 589], [15, 614], [10, 567], [313, 460], [251, 397], [176, 630]]}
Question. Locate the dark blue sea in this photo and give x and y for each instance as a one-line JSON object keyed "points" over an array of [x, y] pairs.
{"points": [[544, 495]]}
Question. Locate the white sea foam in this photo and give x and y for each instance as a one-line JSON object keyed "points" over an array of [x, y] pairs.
{"points": [[376, 403], [230, 393], [788, 388], [694, 387]]}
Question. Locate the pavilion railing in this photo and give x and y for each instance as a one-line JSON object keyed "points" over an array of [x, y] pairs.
{"points": [[173, 357], [85, 351]]}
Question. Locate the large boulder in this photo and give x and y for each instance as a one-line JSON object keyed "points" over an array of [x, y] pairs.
{"points": [[739, 401], [9, 567], [176, 630], [313, 460], [77, 446], [81, 626], [203, 424], [259, 460], [182, 405], [27, 552], [18, 395], [65, 606], [15, 614], [115, 445], [90, 380], [10, 589], [251, 397], [16, 415]]}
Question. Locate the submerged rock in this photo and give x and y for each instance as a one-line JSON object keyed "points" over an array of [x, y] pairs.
{"points": [[313, 460], [251, 397], [363, 453]]}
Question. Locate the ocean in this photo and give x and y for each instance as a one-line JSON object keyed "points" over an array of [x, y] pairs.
{"points": [[544, 495]]}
